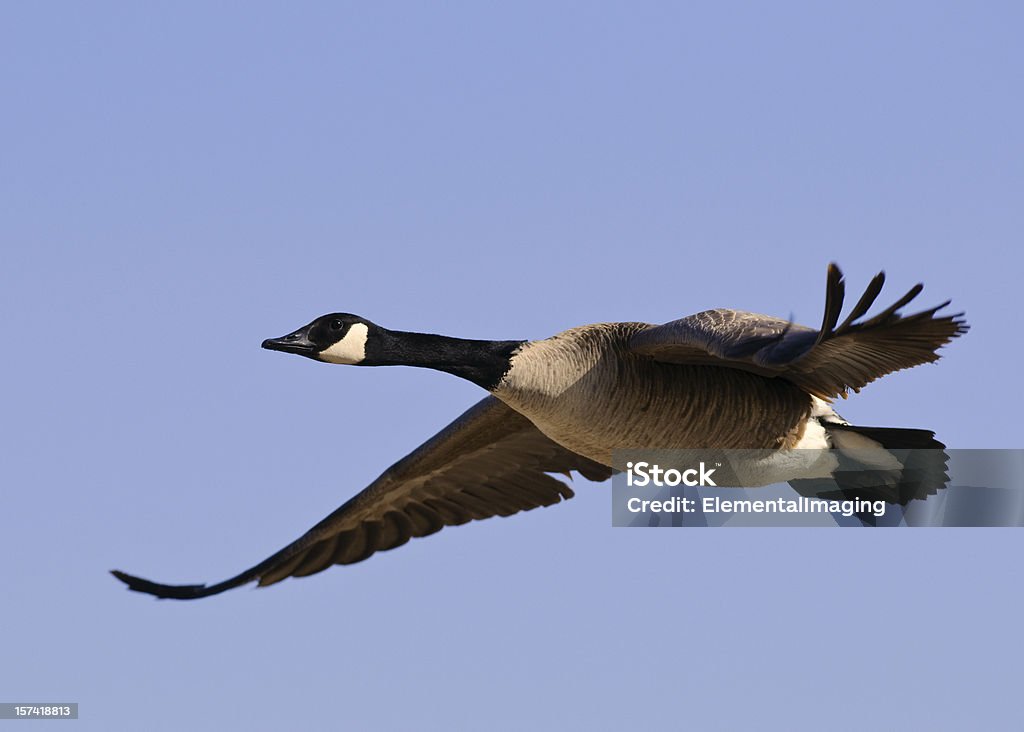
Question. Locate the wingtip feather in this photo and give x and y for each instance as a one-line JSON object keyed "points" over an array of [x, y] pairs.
{"points": [[174, 592], [835, 292]]}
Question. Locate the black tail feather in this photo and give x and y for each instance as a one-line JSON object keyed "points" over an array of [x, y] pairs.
{"points": [[894, 465]]}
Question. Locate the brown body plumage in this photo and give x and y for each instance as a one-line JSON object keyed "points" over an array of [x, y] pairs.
{"points": [[587, 390]]}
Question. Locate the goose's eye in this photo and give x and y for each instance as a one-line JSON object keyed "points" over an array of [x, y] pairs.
{"points": [[336, 324]]}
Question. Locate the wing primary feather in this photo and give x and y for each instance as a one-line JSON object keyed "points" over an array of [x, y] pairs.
{"points": [[176, 592], [319, 558], [866, 301], [365, 545], [891, 310], [275, 574], [834, 294]]}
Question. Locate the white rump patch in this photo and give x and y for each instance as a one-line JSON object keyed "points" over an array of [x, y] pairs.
{"points": [[349, 350], [814, 437], [821, 408], [808, 458]]}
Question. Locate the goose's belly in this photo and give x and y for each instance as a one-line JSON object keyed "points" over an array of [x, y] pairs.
{"points": [[643, 404]]}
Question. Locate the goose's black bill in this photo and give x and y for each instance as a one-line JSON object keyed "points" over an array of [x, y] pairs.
{"points": [[297, 342]]}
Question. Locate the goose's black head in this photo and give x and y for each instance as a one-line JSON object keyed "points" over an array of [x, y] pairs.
{"points": [[334, 338], [350, 339]]}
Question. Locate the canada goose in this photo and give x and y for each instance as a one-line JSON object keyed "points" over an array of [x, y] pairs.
{"points": [[717, 379]]}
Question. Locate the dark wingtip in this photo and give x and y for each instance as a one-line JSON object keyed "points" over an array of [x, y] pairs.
{"points": [[835, 292], [174, 592], [871, 293]]}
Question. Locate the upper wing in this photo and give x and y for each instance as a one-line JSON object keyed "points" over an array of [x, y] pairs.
{"points": [[491, 461], [825, 362]]}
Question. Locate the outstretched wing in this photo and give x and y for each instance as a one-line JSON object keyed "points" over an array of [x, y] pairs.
{"points": [[491, 461], [825, 362]]}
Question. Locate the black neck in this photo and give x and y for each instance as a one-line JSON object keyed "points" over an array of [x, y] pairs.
{"points": [[482, 362]]}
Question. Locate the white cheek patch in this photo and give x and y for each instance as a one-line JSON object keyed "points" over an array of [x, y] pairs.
{"points": [[349, 350]]}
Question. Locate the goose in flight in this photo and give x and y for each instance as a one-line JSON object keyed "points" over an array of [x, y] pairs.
{"points": [[719, 379]]}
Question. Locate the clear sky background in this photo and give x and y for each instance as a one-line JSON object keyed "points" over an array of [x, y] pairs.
{"points": [[179, 182]]}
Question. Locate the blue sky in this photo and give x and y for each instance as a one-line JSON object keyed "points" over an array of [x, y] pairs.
{"points": [[180, 182]]}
